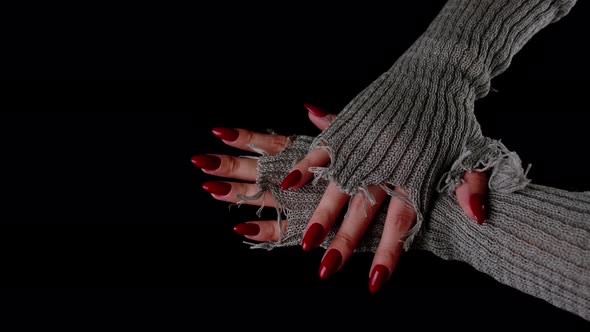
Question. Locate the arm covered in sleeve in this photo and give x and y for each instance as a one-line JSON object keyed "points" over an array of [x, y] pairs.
{"points": [[535, 239], [415, 125]]}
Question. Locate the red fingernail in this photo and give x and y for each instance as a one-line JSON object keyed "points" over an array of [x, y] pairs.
{"points": [[226, 134], [247, 229], [313, 236], [292, 179], [217, 188], [330, 263], [379, 275], [207, 162], [478, 207], [317, 111]]}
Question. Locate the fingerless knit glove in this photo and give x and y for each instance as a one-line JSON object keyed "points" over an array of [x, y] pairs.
{"points": [[536, 239], [417, 120]]}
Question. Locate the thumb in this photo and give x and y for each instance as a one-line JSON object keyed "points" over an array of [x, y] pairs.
{"points": [[319, 117], [472, 195]]}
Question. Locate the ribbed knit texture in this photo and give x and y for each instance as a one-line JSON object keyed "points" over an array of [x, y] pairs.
{"points": [[535, 239], [417, 119]]}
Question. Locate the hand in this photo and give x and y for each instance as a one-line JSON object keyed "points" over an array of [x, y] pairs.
{"points": [[399, 218]]}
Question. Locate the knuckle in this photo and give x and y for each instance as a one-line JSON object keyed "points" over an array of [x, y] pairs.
{"points": [[229, 166], [476, 178], [249, 137], [404, 219], [357, 204], [304, 164], [233, 165], [322, 215], [345, 241], [266, 232], [278, 141]]}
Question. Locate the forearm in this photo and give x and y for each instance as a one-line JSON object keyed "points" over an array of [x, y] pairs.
{"points": [[536, 240], [470, 42], [417, 119]]}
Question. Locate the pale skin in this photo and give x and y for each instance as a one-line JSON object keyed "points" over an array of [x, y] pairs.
{"points": [[400, 218]]}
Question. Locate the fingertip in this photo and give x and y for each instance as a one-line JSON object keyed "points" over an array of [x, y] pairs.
{"points": [[477, 204], [319, 117], [379, 275], [226, 134], [316, 110], [471, 195], [217, 187], [249, 229], [313, 236], [330, 263], [292, 179]]}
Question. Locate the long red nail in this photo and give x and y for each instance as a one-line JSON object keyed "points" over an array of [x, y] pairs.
{"points": [[478, 207], [207, 162], [313, 236], [247, 229], [379, 275], [317, 111], [217, 188], [291, 179], [330, 263], [226, 134]]}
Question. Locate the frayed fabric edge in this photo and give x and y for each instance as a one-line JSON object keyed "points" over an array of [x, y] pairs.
{"points": [[261, 193], [507, 174], [326, 174], [408, 237], [268, 245], [264, 190]]}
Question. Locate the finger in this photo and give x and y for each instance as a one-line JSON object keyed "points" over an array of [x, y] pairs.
{"points": [[300, 174], [399, 220], [472, 195], [359, 215], [319, 117], [262, 231], [229, 191], [244, 140], [227, 166], [324, 216]]}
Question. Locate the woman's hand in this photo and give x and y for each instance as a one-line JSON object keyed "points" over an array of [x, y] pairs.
{"points": [[400, 217]]}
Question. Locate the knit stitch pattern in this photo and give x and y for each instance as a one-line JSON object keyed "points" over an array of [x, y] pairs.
{"points": [[535, 239], [417, 119]]}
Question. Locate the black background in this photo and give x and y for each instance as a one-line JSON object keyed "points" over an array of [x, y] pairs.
{"points": [[103, 218]]}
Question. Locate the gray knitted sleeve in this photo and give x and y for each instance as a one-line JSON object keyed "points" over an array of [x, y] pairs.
{"points": [[417, 120], [536, 239]]}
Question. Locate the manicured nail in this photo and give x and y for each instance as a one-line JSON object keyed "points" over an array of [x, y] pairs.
{"points": [[226, 134], [292, 179], [207, 162], [379, 275], [330, 263], [313, 236], [217, 188], [247, 229], [317, 111], [478, 207]]}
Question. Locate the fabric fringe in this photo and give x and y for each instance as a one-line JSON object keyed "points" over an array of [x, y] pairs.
{"points": [[507, 174]]}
